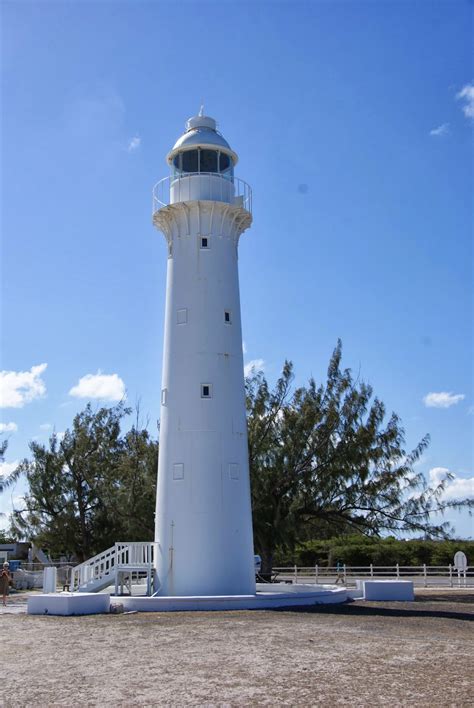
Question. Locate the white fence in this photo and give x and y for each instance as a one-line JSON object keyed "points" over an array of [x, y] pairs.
{"points": [[422, 575]]}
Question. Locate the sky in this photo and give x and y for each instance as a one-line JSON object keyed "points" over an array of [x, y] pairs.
{"points": [[353, 125]]}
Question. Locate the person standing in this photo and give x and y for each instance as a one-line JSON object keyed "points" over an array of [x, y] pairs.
{"points": [[5, 581]]}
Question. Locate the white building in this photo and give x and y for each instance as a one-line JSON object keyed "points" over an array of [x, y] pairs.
{"points": [[203, 512]]}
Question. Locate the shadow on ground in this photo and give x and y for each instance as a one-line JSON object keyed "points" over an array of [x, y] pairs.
{"points": [[414, 609]]}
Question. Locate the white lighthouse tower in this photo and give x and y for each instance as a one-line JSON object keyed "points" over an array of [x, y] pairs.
{"points": [[203, 512], [202, 556]]}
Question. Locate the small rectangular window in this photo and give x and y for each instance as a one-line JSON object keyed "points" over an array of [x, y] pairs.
{"points": [[227, 317], [204, 242], [178, 470], [234, 470], [182, 316], [206, 390], [164, 396]]}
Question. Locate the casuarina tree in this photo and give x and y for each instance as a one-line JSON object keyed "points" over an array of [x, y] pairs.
{"points": [[326, 457]]}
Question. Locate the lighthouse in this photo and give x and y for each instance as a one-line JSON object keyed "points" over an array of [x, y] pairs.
{"points": [[202, 557], [203, 532]]}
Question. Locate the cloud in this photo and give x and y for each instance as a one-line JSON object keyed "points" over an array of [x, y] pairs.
{"points": [[254, 365], [441, 130], [6, 468], [442, 399], [466, 94], [134, 143], [8, 427], [456, 488], [20, 387], [107, 387], [45, 426]]}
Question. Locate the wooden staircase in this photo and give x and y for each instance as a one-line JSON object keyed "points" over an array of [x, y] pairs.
{"points": [[115, 567]]}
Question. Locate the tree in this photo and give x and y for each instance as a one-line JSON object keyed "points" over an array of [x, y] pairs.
{"points": [[322, 460], [89, 489], [5, 480]]}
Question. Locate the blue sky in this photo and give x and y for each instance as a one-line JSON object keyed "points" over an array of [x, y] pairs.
{"points": [[353, 124]]}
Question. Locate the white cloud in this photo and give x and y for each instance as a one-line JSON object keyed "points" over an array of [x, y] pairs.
{"points": [[8, 427], [108, 387], [254, 365], [466, 94], [134, 143], [6, 468], [441, 130], [20, 387], [45, 426], [442, 399], [456, 488]]}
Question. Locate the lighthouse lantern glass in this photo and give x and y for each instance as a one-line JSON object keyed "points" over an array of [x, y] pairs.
{"points": [[203, 160]]}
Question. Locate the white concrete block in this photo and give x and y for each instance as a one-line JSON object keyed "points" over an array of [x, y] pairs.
{"points": [[389, 590], [50, 578], [69, 603]]}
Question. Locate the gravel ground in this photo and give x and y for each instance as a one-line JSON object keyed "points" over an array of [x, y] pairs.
{"points": [[363, 654]]}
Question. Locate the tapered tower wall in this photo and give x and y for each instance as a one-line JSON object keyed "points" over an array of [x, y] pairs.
{"points": [[203, 511]]}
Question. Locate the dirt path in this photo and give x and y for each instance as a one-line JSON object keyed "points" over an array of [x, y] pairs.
{"points": [[363, 654]]}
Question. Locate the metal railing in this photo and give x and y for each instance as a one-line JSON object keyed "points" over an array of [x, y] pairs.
{"points": [[421, 575], [210, 186]]}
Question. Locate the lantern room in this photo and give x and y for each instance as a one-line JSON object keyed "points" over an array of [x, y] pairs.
{"points": [[202, 150]]}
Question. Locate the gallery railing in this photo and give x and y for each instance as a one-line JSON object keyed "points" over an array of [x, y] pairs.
{"points": [[209, 186]]}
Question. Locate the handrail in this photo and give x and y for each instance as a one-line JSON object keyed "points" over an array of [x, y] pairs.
{"points": [[139, 554], [214, 186]]}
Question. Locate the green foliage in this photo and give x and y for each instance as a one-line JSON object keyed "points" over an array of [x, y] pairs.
{"points": [[357, 550], [5, 481], [4, 537], [90, 489], [323, 461]]}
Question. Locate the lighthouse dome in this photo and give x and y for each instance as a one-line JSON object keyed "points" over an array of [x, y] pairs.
{"points": [[201, 134]]}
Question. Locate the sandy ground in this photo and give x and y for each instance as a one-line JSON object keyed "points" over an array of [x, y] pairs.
{"points": [[362, 654]]}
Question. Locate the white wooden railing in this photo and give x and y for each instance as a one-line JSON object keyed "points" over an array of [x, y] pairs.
{"points": [[135, 556], [422, 575]]}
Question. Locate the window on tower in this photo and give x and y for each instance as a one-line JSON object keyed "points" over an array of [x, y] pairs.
{"points": [[208, 161], [190, 161], [206, 391], [204, 242], [224, 162], [203, 160], [227, 317]]}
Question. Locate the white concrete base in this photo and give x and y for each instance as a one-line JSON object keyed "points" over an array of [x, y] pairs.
{"points": [[355, 594], [68, 603], [389, 590], [50, 579], [268, 596]]}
